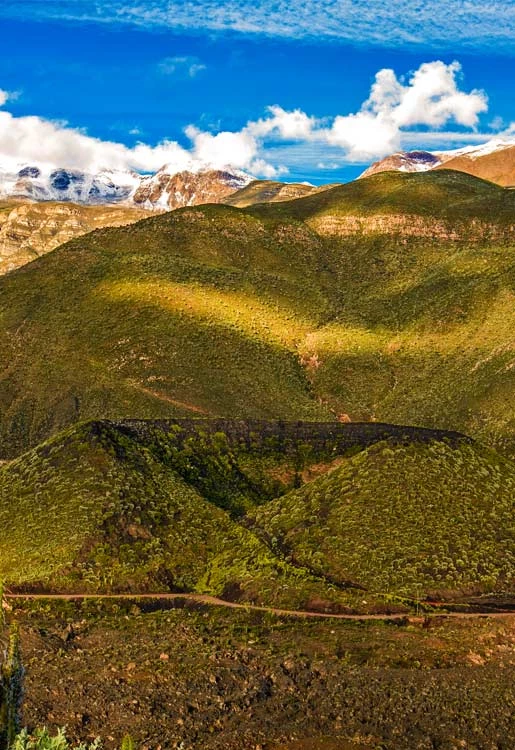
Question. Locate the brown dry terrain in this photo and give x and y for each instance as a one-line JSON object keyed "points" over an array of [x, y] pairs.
{"points": [[185, 189], [498, 166], [216, 679], [28, 230]]}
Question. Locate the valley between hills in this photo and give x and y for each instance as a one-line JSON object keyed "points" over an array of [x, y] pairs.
{"points": [[291, 403]]}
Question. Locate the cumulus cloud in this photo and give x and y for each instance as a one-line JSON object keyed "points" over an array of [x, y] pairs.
{"points": [[431, 97], [295, 125], [34, 140], [396, 110], [181, 67]]}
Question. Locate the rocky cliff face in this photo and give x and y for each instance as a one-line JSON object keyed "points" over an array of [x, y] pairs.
{"points": [[28, 230], [168, 191], [494, 161], [410, 226]]}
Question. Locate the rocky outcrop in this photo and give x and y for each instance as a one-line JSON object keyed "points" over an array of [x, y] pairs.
{"points": [[409, 225], [168, 191], [28, 230]]}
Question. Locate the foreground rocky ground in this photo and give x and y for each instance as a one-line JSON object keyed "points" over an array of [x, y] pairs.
{"points": [[209, 678]]}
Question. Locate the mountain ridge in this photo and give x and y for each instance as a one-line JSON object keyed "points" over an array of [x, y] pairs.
{"points": [[493, 161], [164, 190]]}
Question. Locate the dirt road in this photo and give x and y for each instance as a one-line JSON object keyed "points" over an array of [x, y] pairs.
{"points": [[214, 601]]}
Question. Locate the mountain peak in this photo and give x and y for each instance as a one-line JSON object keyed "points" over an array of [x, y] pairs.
{"points": [[494, 161], [164, 190]]}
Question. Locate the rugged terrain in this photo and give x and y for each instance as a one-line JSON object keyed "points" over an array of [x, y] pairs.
{"points": [[39, 220], [28, 230], [391, 299], [494, 161], [212, 679], [287, 310]]}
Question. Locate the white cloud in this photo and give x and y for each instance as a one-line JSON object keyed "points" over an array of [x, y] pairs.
{"points": [[26, 140], [440, 24], [295, 125], [6, 96], [430, 98], [181, 66], [397, 112]]}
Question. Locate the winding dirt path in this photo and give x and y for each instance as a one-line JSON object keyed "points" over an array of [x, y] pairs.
{"points": [[214, 601]]}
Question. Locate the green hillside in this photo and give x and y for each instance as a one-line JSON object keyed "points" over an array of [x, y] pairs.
{"points": [[95, 509], [299, 517], [215, 311], [413, 520], [265, 191], [444, 194]]}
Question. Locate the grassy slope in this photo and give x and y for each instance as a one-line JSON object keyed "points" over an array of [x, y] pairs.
{"points": [[423, 328], [193, 312], [93, 509], [446, 194], [410, 519], [216, 311], [101, 507], [264, 191]]}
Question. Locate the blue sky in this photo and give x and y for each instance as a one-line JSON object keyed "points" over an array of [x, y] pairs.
{"points": [[141, 74]]}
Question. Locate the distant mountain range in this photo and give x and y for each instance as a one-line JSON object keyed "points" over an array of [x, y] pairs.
{"points": [[163, 190], [42, 207], [40, 210], [494, 161], [167, 190]]}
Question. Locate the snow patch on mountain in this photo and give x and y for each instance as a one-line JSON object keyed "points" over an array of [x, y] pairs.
{"points": [[161, 191]]}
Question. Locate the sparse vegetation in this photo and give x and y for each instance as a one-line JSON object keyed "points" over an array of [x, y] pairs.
{"points": [[389, 299], [41, 739], [214, 679]]}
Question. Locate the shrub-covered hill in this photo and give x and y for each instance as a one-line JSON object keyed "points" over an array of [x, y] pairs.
{"points": [[414, 519], [94, 509], [217, 311], [166, 507], [269, 191], [447, 195]]}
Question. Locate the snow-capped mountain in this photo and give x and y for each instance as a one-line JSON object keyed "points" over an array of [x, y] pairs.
{"points": [[167, 190], [494, 161], [163, 190]]}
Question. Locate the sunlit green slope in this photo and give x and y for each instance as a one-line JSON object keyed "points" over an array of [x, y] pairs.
{"points": [[413, 520], [217, 311]]}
